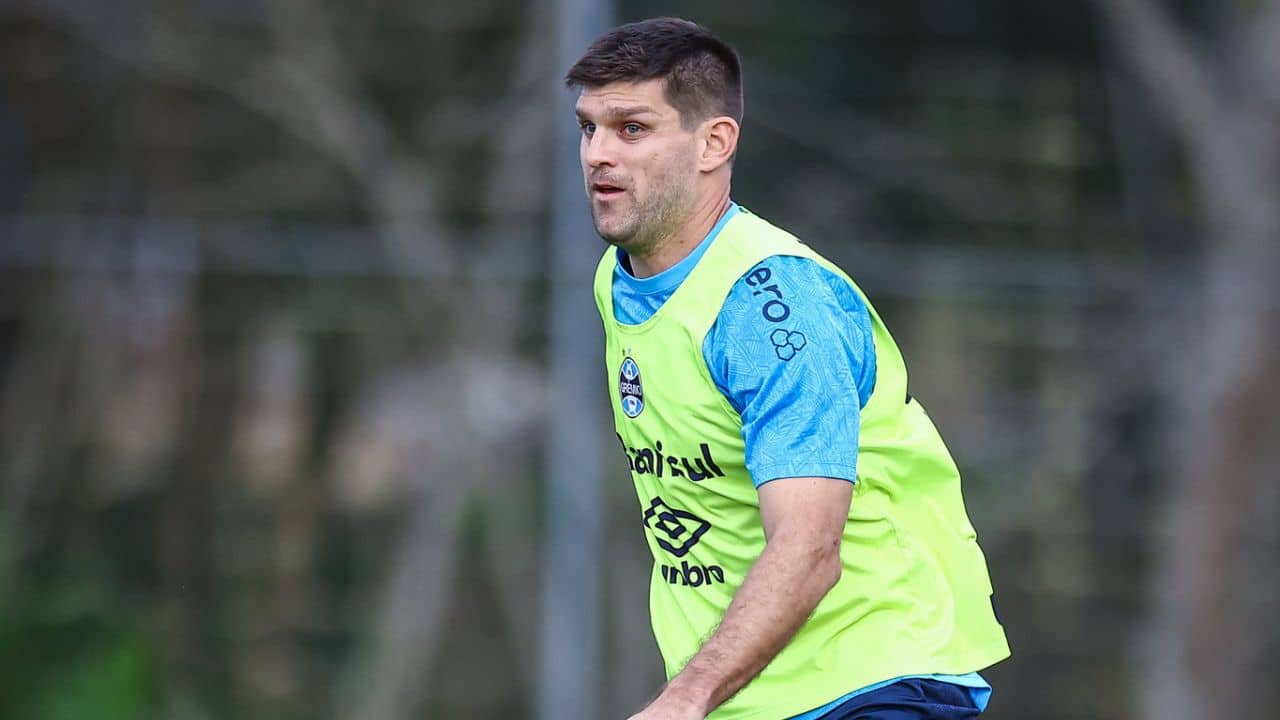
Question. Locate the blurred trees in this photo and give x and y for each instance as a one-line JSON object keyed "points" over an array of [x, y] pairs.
{"points": [[1213, 644], [272, 327], [281, 113]]}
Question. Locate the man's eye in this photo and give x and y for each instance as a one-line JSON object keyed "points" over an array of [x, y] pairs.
{"points": [[632, 129], [587, 127]]}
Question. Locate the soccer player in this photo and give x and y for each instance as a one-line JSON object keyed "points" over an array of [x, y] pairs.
{"points": [[812, 555]]}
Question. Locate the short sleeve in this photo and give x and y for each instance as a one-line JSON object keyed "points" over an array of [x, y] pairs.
{"points": [[793, 353]]}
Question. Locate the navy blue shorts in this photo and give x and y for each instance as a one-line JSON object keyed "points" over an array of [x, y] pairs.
{"points": [[915, 699]]}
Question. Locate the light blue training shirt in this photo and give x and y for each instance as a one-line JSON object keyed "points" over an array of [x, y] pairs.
{"points": [[779, 382]]}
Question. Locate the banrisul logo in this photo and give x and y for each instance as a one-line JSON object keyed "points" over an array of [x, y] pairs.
{"points": [[629, 388], [652, 461]]}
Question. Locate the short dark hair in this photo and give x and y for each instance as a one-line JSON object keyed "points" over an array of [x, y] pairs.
{"points": [[703, 74]]}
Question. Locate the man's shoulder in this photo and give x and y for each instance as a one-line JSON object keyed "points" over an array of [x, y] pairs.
{"points": [[802, 275], [750, 227], [756, 237], [787, 292], [781, 291]]}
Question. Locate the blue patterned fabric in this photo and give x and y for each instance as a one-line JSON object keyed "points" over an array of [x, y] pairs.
{"points": [[793, 353]]}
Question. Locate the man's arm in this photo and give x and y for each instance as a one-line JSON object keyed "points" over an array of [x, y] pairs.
{"points": [[803, 521], [801, 442]]}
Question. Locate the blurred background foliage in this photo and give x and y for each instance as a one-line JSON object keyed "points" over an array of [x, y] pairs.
{"points": [[274, 283], [68, 649]]}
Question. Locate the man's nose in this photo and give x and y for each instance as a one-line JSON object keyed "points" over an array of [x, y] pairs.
{"points": [[596, 150]]}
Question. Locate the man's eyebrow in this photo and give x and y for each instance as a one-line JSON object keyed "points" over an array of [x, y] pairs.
{"points": [[626, 112], [620, 113]]}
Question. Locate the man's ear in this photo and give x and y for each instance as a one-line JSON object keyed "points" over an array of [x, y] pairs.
{"points": [[719, 142]]}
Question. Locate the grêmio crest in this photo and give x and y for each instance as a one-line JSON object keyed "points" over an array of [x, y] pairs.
{"points": [[630, 390]]}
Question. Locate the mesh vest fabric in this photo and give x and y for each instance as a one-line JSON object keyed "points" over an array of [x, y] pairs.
{"points": [[914, 596]]}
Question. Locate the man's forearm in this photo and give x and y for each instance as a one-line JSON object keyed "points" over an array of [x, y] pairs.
{"points": [[787, 582]]}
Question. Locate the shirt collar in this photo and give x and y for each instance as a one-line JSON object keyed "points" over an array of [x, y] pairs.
{"points": [[670, 278]]}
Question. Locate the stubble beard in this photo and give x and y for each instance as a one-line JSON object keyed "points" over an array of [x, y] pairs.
{"points": [[645, 226]]}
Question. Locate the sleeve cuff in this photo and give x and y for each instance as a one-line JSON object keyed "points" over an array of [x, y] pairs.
{"points": [[837, 471]]}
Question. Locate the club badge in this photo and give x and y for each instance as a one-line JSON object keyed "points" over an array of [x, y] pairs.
{"points": [[629, 388]]}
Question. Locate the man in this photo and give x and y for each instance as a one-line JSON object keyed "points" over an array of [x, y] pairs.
{"points": [[812, 556]]}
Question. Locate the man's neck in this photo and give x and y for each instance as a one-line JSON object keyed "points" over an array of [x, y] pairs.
{"points": [[677, 247]]}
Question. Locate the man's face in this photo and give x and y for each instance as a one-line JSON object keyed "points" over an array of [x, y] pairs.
{"points": [[638, 163]]}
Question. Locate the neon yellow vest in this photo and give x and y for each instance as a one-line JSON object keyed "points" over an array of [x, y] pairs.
{"points": [[914, 596]]}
